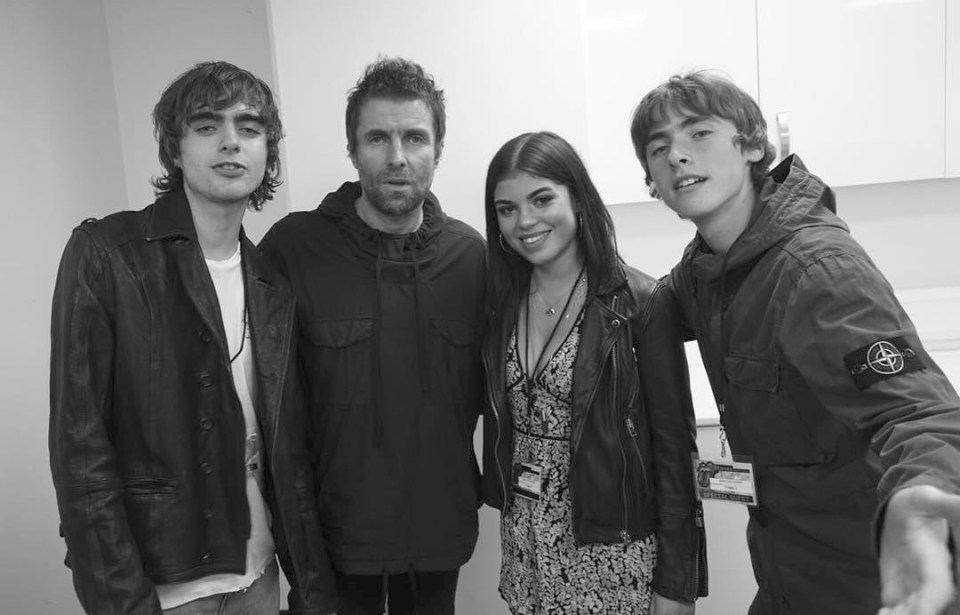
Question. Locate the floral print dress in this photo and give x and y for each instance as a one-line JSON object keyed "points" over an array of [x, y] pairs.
{"points": [[542, 570]]}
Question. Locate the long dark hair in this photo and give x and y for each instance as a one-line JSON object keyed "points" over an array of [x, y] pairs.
{"points": [[547, 155]]}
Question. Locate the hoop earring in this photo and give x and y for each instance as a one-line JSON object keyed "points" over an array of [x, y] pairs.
{"points": [[580, 224], [503, 246]]}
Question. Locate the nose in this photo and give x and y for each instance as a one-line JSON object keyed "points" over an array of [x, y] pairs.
{"points": [[230, 142], [678, 155], [395, 154], [525, 216]]}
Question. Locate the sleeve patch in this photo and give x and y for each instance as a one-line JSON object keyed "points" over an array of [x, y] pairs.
{"points": [[881, 360]]}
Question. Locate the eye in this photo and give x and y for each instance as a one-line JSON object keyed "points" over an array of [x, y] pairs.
{"points": [[543, 200], [376, 139], [656, 150], [417, 139], [204, 128], [251, 130], [506, 210], [703, 132]]}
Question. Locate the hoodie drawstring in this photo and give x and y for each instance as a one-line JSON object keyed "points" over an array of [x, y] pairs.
{"points": [[377, 381]]}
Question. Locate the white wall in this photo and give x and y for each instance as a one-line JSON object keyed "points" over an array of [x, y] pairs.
{"points": [[60, 164]]}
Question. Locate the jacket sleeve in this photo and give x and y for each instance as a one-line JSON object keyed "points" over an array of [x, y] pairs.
{"points": [[840, 309], [108, 574], [681, 572], [304, 556]]}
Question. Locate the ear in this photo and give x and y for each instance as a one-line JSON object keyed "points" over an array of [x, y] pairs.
{"points": [[437, 153], [353, 161], [754, 154]]}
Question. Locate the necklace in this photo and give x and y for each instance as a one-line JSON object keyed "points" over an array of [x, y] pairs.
{"points": [[551, 310], [531, 370]]}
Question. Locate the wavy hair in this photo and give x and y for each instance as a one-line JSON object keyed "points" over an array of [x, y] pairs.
{"points": [[706, 93], [215, 86]]}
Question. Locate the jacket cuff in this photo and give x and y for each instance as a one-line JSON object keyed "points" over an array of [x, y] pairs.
{"points": [[681, 571]]}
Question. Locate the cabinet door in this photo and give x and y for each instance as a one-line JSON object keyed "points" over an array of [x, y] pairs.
{"points": [[860, 83], [630, 47], [953, 90]]}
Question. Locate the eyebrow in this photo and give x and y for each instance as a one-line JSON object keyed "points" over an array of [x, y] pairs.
{"points": [[246, 116], [530, 196], [685, 123]]}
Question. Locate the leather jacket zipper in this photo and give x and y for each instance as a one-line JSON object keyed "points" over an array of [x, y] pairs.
{"points": [[625, 531]]}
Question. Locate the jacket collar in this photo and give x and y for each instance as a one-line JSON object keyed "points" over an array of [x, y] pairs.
{"points": [[171, 218]]}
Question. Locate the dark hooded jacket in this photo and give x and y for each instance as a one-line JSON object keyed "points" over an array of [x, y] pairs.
{"points": [[390, 329], [788, 323]]}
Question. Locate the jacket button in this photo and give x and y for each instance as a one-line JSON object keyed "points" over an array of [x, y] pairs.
{"points": [[206, 380], [205, 468], [205, 557], [615, 323], [205, 336], [208, 513], [206, 423]]}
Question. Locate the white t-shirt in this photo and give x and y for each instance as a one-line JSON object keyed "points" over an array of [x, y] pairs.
{"points": [[228, 280]]}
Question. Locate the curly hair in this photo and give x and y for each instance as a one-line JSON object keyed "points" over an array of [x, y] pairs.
{"points": [[705, 93], [396, 79], [216, 86], [547, 155]]}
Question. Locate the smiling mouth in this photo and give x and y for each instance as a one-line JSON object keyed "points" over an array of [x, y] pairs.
{"points": [[689, 181], [230, 166], [534, 238]]}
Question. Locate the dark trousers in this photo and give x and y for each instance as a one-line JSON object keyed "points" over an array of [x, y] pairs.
{"points": [[413, 593]]}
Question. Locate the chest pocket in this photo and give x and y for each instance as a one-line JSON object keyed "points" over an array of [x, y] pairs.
{"points": [[337, 358], [455, 360], [772, 427]]}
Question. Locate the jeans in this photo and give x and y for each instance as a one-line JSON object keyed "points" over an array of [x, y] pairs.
{"points": [[261, 598], [413, 593]]}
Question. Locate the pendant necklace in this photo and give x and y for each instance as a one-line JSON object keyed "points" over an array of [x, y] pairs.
{"points": [[531, 375], [552, 309]]}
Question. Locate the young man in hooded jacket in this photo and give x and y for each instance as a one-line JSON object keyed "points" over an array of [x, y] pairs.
{"points": [[826, 395], [390, 296]]}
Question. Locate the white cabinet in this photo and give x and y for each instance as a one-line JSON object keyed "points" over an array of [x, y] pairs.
{"points": [[631, 46], [861, 83], [953, 90]]}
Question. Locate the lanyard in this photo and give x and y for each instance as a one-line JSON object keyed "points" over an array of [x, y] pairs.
{"points": [[531, 375]]}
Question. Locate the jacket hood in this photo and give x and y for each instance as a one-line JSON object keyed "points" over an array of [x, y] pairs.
{"points": [[371, 244], [791, 199]]}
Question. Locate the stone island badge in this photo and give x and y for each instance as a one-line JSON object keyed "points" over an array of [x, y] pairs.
{"points": [[881, 360]]}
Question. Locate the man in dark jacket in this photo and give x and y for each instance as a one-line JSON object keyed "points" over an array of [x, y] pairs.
{"points": [[176, 438], [390, 296], [822, 383]]}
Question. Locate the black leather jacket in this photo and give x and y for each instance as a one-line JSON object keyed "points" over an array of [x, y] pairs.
{"points": [[632, 434], [147, 435]]}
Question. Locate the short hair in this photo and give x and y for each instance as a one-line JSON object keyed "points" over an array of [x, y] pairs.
{"points": [[547, 155], [215, 86], [705, 93], [396, 79]]}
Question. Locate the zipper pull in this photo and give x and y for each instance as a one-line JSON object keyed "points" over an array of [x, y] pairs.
{"points": [[630, 428], [698, 517], [723, 441]]}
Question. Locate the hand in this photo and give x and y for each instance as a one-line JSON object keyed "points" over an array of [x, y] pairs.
{"points": [[916, 567], [666, 606]]}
